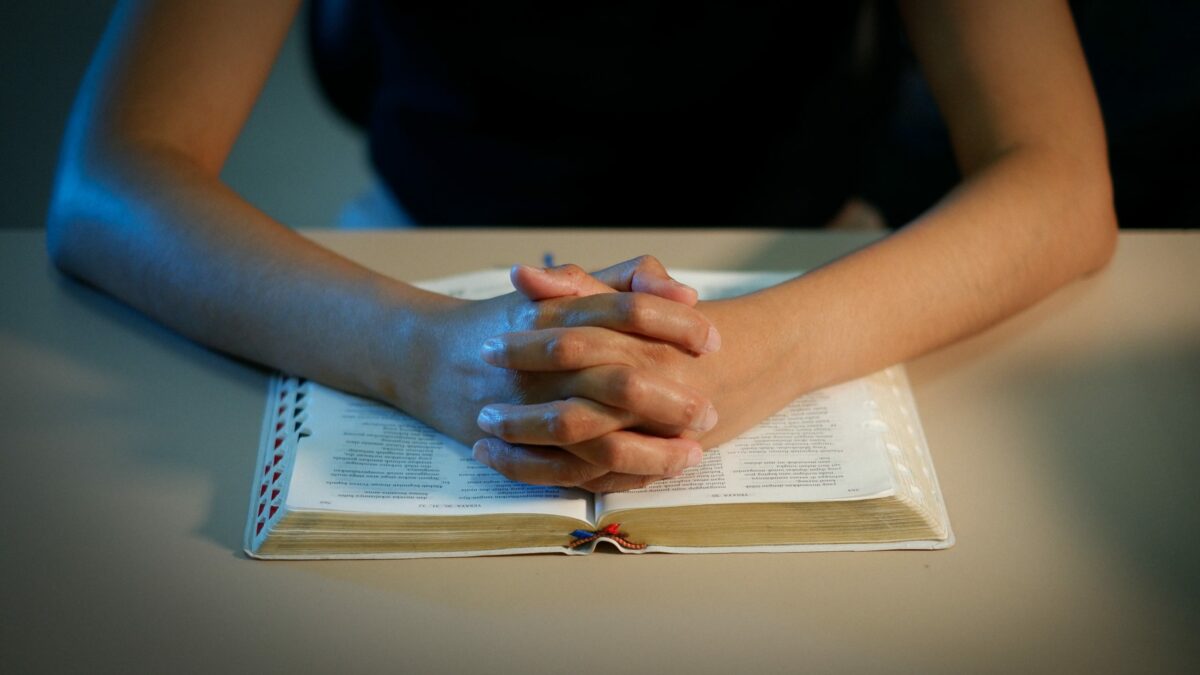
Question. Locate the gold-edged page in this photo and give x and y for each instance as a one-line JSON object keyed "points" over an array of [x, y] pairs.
{"points": [[362, 456], [825, 446]]}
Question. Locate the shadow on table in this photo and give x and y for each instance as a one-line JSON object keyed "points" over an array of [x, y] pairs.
{"points": [[1125, 462], [187, 409], [786, 253]]}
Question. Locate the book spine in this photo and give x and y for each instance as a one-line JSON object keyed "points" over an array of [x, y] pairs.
{"points": [[284, 424]]}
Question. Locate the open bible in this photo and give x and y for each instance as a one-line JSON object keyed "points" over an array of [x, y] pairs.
{"points": [[843, 468]]}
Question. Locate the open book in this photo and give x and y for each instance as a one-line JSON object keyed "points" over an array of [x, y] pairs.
{"points": [[844, 468]]}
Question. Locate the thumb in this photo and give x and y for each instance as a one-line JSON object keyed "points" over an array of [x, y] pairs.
{"points": [[555, 282]]}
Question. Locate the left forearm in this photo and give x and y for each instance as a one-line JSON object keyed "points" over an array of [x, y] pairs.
{"points": [[1010, 235], [1016, 230]]}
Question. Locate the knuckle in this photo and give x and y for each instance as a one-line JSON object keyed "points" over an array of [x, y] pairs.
{"points": [[630, 388], [526, 315], [564, 425], [500, 426], [657, 353], [571, 271], [692, 405], [564, 350], [648, 263], [636, 311], [545, 314], [507, 429], [611, 454]]}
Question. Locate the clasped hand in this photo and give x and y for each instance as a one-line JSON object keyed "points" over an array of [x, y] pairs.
{"points": [[569, 377]]}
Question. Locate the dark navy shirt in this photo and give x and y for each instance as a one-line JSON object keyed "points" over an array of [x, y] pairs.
{"points": [[617, 113]]}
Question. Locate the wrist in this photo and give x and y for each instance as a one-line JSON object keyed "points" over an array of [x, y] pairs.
{"points": [[760, 368], [405, 345]]}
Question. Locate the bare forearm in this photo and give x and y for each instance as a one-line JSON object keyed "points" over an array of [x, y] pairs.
{"points": [[1011, 234], [157, 232], [139, 209], [1034, 211], [153, 229]]}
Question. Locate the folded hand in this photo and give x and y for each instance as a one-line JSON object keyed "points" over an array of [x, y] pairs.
{"points": [[630, 420], [600, 420]]}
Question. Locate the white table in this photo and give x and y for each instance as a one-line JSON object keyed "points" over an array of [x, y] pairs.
{"points": [[1067, 441]]}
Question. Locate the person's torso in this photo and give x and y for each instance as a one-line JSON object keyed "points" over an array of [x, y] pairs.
{"points": [[647, 113]]}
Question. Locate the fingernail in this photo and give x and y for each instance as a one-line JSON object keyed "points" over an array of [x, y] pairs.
{"points": [[695, 455], [492, 349], [713, 342], [706, 421], [489, 420], [480, 451]]}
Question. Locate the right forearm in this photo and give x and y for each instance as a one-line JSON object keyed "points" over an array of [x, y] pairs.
{"points": [[140, 212], [163, 234], [155, 230]]}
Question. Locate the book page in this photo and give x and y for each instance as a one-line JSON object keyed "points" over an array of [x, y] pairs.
{"points": [[489, 283], [365, 456], [827, 445], [478, 285]]}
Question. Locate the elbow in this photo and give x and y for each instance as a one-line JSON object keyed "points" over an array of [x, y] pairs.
{"points": [[86, 210], [1084, 212], [68, 204], [1101, 225], [79, 219], [59, 231], [63, 225], [1106, 239]]}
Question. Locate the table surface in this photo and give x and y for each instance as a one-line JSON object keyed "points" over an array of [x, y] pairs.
{"points": [[1065, 439]]}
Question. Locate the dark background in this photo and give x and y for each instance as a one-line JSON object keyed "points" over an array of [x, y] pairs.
{"points": [[300, 162], [295, 159]]}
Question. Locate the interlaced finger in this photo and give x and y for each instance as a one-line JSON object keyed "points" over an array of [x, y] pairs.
{"points": [[635, 313], [560, 423], [633, 453], [645, 274], [580, 464], [655, 399], [557, 349], [536, 465]]}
